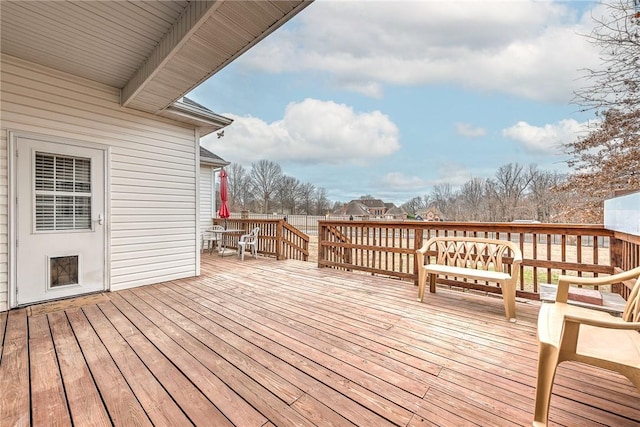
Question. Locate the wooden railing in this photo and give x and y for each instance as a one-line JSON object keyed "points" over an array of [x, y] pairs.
{"points": [[388, 248], [276, 238], [625, 255]]}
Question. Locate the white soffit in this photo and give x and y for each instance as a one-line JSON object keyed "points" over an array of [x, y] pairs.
{"points": [[155, 51], [103, 41]]}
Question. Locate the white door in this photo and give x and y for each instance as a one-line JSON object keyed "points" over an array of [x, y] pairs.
{"points": [[60, 220]]}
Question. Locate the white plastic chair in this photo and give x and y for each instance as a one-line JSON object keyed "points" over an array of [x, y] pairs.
{"points": [[250, 239], [211, 238]]}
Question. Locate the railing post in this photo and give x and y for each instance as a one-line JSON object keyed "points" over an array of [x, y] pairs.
{"points": [[417, 244], [321, 236], [279, 240], [615, 261]]}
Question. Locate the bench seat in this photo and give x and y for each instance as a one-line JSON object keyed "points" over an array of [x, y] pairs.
{"points": [[467, 273]]}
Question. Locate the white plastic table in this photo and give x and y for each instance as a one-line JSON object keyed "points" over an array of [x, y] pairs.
{"points": [[223, 238]]}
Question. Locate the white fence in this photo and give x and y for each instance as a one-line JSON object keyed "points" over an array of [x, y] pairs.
{"points": [[308, 224]]}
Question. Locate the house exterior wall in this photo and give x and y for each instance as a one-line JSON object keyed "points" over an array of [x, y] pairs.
{"points": [[153, 216], [207, 173]]}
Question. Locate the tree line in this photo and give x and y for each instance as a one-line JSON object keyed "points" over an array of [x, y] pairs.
{"points": [[264, 188], [516, 192]]}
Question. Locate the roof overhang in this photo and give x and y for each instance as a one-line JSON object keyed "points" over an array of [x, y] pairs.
{"points": [[197, 115], [205, 38], [211, 159]]}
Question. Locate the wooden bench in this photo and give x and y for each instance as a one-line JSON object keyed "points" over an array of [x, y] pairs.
{"points": [[486, 260]]}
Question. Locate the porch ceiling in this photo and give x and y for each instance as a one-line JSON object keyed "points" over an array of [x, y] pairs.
{"points": [[154, 51]]}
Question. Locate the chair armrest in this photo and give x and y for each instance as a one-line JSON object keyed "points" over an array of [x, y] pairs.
{"points": [[610, 324], [564, 281]]}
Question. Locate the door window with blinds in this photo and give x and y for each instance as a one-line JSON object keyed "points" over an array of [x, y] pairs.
{"points": [[62, 189]]}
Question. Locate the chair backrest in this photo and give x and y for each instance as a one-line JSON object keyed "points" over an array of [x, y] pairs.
{"points": [[254, 234], [632, 309]]}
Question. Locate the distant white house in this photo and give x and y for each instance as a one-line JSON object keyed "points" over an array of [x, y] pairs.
{"points": [[101, 184]]}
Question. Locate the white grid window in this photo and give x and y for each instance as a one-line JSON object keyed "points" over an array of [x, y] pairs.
{"points": [[62, 193]]}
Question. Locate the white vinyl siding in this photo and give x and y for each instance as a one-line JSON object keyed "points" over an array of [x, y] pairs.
{"points": [[152, 178], [206, 196]]}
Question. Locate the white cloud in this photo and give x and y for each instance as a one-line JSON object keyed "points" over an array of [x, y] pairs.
{"points": [[400, 182], [526, 48], [549, 138], [447, 173], [466, 129], [311, 131]]}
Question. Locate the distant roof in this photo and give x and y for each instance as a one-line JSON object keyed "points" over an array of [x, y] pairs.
{"points": [[209, 158], [390, 205], [396, 211], [372, 203], [354, 208]]}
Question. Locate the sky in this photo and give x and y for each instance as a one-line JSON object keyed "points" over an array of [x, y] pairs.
{"points": [[390, 98]]}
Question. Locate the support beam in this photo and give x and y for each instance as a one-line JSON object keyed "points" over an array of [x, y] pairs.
{"points": [[196, 13]]}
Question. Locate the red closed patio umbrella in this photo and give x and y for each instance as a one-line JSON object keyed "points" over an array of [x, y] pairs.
{"points": [[223, 212]]}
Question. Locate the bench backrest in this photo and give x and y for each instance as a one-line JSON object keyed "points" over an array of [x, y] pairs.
{"points": [[474, 252]]}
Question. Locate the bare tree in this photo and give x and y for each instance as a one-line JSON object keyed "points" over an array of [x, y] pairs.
{"points": [[288, 194], [511, 182], [442, 198], [473, 198], [414, 205], [322, 204], [608, 158], [543, 199], [265, 177], [307, 192], [616, 83], [237, 185]]}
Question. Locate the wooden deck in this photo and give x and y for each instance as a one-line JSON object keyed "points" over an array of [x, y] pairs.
{"points": [[267, 342]]}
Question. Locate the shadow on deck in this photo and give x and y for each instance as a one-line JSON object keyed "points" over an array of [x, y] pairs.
{"points": [[266, 342]]}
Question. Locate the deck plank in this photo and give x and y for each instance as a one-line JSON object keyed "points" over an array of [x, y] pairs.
{"points": [[316, 339], [266, 342], [251, 391], [264, 351], [267, 378], [15, 400], [319, 413], [157, 403], [224, 397], [387, 396], [200, 410], [84, 401], [122, 404], [3, 324], [46, 381]]}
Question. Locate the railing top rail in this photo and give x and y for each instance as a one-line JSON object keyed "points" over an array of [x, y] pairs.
{"points": [[294, 230], [542, 228]]}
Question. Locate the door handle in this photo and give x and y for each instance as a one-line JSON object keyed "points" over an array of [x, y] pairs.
{"points": [[100, 219]]}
